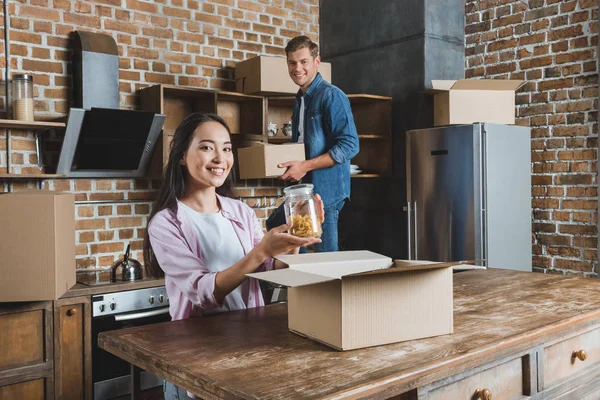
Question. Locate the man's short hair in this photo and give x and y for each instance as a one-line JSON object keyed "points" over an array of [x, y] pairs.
{"points": [[301, 42]]}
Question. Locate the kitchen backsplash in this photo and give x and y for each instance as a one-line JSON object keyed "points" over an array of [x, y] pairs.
{"points": [[188, 43]]}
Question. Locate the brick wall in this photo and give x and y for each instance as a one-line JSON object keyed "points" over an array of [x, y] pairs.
{"points": [[552, 45], [181, 42]]}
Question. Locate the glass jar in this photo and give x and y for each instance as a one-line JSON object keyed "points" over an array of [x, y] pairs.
{"points": [[22, 97], [300, 211]]}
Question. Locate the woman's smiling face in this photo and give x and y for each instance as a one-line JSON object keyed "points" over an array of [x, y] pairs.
{"points": [[209, 157]]}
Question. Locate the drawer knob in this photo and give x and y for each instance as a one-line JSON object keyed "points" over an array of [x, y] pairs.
{"points": [[581, 354], [483, 394], [71, 312]]}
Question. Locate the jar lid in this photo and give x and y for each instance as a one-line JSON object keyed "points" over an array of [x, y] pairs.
{"points": [[305, 188], [25, 77]]}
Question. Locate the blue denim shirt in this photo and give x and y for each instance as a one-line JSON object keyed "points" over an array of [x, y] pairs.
{"points": [[328, 128]]}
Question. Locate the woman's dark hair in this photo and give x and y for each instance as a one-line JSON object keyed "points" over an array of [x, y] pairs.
{"points": [[173, 184]]}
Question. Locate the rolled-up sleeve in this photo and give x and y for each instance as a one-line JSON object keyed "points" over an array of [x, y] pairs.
{"points": [[184, 268], [339, 123]]}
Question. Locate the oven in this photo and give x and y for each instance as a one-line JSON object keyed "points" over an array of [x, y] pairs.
{"points": [[111, 375]]}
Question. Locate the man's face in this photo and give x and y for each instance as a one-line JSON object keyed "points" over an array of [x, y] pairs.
{"points": [[302, 67]]}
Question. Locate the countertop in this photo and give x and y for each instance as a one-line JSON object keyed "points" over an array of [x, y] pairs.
{"points": [[251, 354], [81, 289]]}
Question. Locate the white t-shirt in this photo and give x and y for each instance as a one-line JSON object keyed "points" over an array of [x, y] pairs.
{"points": [[301, 122], [221, 248]]}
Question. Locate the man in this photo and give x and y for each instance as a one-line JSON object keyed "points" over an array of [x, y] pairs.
{"points": [[322, 120]]}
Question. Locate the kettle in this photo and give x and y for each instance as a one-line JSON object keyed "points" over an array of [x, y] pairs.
{"points": [[126, 269]]}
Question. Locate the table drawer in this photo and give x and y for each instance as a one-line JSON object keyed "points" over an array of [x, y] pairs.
{"points": [[504, 381], [561, 361]]}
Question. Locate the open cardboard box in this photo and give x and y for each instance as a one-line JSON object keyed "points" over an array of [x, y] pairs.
{"points": [[265, 75], [261, 160], [354, 299], [466, 101]]}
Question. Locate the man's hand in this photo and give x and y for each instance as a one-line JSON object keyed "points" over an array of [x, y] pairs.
{"points": [[295, 170]]}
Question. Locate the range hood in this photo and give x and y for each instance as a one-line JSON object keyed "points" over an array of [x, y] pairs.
{"points": [[102, 140]]}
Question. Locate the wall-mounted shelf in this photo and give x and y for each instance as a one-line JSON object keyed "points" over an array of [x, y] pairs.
{"points": [[279, 139], [31, 176], [366, 175], [373, 119], [38, 127], [243, 113], [374, 137], [31, 125]]}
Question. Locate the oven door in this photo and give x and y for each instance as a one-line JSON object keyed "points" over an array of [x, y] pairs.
{"points": [[110, 374]]}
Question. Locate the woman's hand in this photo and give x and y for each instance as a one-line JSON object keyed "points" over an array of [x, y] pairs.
{"points": [[277, 242]]}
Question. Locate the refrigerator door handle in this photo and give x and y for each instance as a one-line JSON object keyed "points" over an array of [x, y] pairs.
{"points": [[409, 232], [416, 233], [483, 237]]}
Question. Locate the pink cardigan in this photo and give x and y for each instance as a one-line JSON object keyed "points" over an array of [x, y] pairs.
{"points": [[189, 284]]}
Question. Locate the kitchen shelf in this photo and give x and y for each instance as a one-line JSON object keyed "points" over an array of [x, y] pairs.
{"points": [[374, 137], [33, 125], [366, 175], [31, 176], [279, 139], [245, 115]]}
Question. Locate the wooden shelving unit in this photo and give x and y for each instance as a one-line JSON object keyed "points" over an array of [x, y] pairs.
{"points": [[30, 125], [31, 176], [279, 139], [373, 119], [38, 127], [248, 116], [366, 175], [245, 114]]}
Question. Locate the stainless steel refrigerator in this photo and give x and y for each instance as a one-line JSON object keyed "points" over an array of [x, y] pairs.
{"points": [[469, 194]]}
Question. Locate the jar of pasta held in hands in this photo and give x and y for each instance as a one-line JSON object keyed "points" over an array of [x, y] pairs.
{"points": [[301, 211]]}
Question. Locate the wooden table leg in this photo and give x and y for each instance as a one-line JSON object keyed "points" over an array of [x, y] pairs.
{"points": [[135, 382]]}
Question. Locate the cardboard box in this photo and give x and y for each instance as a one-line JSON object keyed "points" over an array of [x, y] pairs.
{"points": [[467, 101], [354, 299], [37, 245], [265, 75], [261, 160]]}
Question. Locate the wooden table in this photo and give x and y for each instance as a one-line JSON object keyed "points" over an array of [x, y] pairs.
{"points": [[515, 333]]}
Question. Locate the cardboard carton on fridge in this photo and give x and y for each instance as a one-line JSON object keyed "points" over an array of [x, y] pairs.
{"points": [[466, 101], [262, 160], [37, 245], [265, 75], [354, 299]]}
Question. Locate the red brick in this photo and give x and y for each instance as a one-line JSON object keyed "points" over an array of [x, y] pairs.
{"points": [[142, 6], [121, 26], [573, 265], [556, 240], [556, 84], [570, 131], [530, 39], [574, 56], [571, 31], [535, 62]]}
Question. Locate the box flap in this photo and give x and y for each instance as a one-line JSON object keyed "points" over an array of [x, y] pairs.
{"points": [[487, 84], [414, 265], [439, 86], [336, 264], [290, 277]]}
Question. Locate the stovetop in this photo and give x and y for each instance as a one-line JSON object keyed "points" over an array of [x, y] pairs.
{"points": [[105, 283]]}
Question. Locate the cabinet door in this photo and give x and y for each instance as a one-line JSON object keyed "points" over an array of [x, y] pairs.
{"points": [[72, 348], [26, 365]]}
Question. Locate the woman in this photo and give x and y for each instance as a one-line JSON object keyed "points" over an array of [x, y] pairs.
{"points": [[203, 241]]}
